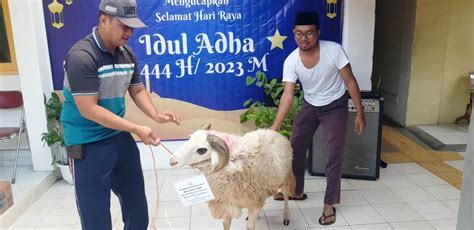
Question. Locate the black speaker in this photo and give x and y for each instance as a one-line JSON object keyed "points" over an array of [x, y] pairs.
{"points": [[361, 153]]}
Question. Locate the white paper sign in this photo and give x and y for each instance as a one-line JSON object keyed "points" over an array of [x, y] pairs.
{"points": [[194, 190]]}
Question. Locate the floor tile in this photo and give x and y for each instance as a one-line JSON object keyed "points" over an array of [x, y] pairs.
{"points": [[31, 219], [409, 168], [22, 228], [433, 210], [46, 202], [450, 139], [61, 217], [372, 227], [314, 200], [150, 181], [312, 185], [380, 196], [205, 222], [413, 194], [389, 171], [332, 228], [434, 130], [352, 197], [452, 204], [168, 193], [60, 227], [261, 222], [418, 225], [444, 224], [425, 179], [444, 192], [397, 212], [363, 214], [397, 181], [171, 223], [168, 209], [201, 209], [367, 184], [68, 201], [59, 188]]}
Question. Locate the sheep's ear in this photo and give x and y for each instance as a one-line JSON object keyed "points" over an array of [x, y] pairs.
{"points": [[205, 127], [222, 150]]}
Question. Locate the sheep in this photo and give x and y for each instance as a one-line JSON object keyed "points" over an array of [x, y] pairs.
{"points": [[242, 171]]}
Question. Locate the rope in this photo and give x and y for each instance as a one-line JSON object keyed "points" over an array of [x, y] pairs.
{"points": [[155, 211]]}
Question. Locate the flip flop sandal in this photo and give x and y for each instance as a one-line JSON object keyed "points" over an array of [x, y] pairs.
{"points": [[325, 218], [279, 196]]}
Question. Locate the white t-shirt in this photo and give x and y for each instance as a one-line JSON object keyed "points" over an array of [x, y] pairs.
{"points": [[323, 83]]}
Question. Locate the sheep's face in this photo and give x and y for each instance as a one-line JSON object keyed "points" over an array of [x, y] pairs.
{"points": [[201, 147]]}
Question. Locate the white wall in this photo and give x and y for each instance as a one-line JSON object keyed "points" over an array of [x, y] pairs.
{"points": [[29, 35], [35, 73], [358, 38], [9, 82]]}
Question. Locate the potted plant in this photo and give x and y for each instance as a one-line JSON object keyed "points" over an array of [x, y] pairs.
{"points": [[54, 137], [263, 113]]}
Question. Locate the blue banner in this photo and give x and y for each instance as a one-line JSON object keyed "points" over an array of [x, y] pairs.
{"points": [[200, 51], [195, 55]]}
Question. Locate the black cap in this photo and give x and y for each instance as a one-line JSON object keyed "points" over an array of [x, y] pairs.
{"points": [[307, 18]]}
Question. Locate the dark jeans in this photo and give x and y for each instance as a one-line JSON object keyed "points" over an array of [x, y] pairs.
{"points": [[110, 164], [333, 119]]}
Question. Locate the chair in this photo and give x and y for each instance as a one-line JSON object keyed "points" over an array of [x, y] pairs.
{"points": [[12, 100]]}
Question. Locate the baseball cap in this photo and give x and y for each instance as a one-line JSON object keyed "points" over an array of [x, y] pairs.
{"points": [[307, 18], [124, 10]]}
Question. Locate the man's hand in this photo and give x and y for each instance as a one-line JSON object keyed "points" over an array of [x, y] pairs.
{"points": [[167, 116], [147, 135], [359, 123], [275, 127]]}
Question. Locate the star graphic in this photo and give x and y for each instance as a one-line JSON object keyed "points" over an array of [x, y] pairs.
{"points": [[276, 40]]}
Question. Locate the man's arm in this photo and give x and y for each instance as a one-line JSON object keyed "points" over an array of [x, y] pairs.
{"points": [[354, 91], [285, 105], [142, 99], [90, 109]]}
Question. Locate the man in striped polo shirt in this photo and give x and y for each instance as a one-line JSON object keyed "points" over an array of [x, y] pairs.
{"points": [[99, 70]]}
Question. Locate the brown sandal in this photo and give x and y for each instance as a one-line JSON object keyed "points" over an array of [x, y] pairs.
{"points": [[325, 217]]}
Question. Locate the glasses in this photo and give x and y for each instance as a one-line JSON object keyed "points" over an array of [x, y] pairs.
{"points": [[309, 34]]}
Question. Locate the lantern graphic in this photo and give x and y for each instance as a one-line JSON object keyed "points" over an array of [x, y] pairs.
{"points": [[68, 2], [331, 11], [56, 10]]}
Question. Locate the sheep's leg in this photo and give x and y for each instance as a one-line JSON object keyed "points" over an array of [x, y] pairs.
{"points": [[288, 189], [227, 222], [286, 211], [252, 218]]}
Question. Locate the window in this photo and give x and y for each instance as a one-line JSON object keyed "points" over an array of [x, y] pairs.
{"points": [[7, 52]]}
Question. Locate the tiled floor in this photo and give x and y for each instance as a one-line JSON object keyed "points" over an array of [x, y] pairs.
{"points": [[397, 201], [448, 134], [406, 196], [26, 178]]}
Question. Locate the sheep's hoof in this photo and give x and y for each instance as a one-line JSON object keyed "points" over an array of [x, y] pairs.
{"points": [[247, 218], [286, 222]]}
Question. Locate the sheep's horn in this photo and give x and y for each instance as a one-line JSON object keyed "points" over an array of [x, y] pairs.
{"points": [[221, 148], [205, 127]]}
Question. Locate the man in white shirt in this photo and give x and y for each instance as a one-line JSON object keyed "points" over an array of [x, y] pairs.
{"points": [[324, 71]]}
